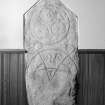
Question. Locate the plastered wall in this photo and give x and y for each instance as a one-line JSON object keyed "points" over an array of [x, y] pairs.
{"points": [[91, 15]]}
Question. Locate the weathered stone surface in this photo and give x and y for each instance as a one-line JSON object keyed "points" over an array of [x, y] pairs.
{"points": [[52, 62]]}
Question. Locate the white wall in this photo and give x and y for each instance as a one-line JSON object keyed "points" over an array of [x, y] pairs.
{"points": [[91, 14]]}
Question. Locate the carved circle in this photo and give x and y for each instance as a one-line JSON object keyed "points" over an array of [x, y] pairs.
{"points": [[46, 60], [40, 71], [50, 61], [49, 25]]}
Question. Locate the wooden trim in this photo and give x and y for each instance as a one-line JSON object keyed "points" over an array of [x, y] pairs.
{"points": [[91, 51], [80, 51], [13, 51]]}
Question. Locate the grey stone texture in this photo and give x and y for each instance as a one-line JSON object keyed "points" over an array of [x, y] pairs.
{"points": [[51, 41]]}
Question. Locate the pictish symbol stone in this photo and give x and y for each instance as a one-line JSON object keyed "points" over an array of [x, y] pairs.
{"points": [[51, 41]]}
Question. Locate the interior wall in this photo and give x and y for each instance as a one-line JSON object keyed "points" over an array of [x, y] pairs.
{"points": [[90, 78], [91, 16]]}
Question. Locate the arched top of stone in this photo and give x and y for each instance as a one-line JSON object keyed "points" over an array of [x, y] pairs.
{"points": [[42, 2], [48, 22]]}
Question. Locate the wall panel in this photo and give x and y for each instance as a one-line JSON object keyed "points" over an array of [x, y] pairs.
{"points": [[96, 79], [83, 86], [91, 78], [13, 79], [20, 80], [0, 80], [6, 75]]}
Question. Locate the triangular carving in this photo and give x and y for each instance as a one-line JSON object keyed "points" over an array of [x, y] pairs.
{"points": [[51, 73]]}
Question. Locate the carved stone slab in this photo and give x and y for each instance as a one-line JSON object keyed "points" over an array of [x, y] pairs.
{"points": [[52, 61]]}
